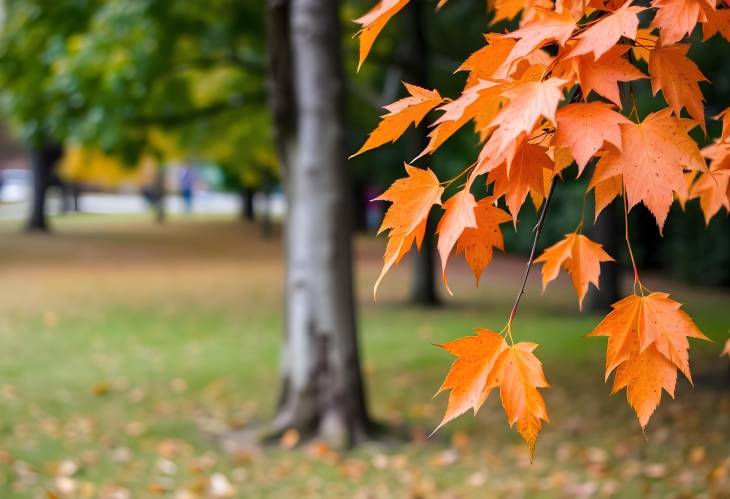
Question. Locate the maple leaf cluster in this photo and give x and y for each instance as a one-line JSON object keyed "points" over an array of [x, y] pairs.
{"points": [[553, 92]]}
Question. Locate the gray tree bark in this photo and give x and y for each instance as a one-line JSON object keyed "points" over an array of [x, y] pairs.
{"points": [[322, 388]]}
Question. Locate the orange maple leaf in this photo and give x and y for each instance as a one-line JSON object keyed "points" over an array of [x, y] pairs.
{"points": [[644, 375], [602, 75], [678, 78], [606, 33], [580, 257], [475, 99], [528, 102], [458, 215], [654, 153], [373, 23], [477, 243], [518, 374], [526, 174], [583, 128], [412, 199], [486, 362], [718, 21], [647, 343], [677, 18], [645, 42], [508, 9], [483, 63], [467, 378], [401, 114], [550, 27], [605, 191], [713, 190]]}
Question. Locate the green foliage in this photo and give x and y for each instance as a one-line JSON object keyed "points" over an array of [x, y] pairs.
{"points": [[119, 75]]}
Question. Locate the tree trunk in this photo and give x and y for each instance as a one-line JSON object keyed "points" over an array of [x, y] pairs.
{"points": [[159, 195], [43, 159], [322, 388], [415, 66], [607, 231], [247, 210]]}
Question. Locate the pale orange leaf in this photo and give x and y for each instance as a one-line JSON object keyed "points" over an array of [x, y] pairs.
{"points": [[651, 162], [583, 128], [580, 257], [401, 114], [458, 215], [412, 199], [373, 23], [467, 378]]}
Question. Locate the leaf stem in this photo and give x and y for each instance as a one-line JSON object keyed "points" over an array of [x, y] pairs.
{"points": [[537, 230], [628, 245]]}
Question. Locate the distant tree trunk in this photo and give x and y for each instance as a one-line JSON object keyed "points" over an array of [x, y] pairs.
{"points": [[75, 197], [265, 220], [415, 66], [43, 159], [247, 209], [322, 389], [159, 195], [608, 231]]}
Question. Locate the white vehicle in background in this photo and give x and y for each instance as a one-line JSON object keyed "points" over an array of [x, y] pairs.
{"points": [[15, 185]]}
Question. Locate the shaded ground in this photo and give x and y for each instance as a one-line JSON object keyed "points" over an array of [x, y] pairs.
{"points": [[128, 347]]}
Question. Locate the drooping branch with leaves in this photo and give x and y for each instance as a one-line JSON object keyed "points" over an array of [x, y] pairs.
{"points": [[557, 91]]}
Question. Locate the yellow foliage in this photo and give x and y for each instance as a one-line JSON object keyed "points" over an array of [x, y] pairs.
{"points": [[91, 166]]}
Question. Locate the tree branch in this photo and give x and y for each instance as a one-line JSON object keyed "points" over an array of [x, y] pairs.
{"points": [[537, 229]]}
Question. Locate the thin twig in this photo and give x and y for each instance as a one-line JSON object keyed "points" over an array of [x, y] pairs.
{"points": [[537, 230]]}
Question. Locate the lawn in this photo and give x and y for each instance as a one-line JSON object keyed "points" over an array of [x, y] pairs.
{"points": [[131, 350]]}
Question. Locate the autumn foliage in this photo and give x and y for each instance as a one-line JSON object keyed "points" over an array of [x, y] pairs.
{"points": [[558, 90]]}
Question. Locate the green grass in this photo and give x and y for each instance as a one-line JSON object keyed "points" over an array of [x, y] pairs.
{"points": [[128, 346]]}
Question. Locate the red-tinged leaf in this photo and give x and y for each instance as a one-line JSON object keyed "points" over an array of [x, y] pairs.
{"points": [[677, 18], [401, 114], [458, 215], [602, 76], [678, 78], [518, 374], [718, 21], [373, 23], [580, 257], [605, 34], [412, 199], [526, 175], [477, 243], [583, 128], [651, 162], [467, 378]]}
